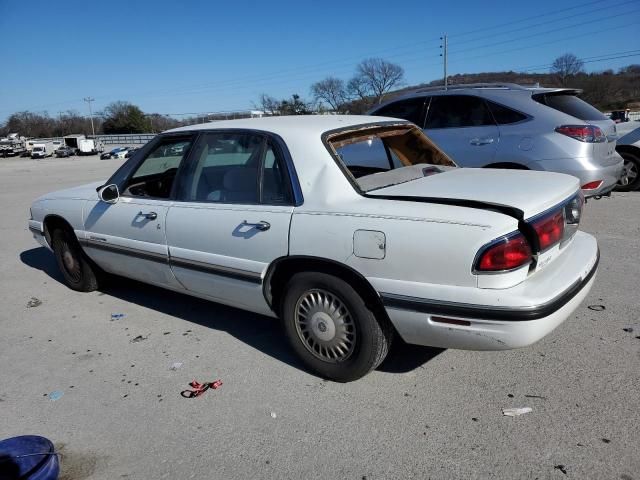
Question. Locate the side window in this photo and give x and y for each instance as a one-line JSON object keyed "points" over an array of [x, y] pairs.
{"points": [[228, 168], [451, 111], [504, 115], [410, 109], [154, 177], [365, 157]]}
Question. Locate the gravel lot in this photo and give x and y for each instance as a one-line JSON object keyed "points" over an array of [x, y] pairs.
{"points": [[425, 413]]}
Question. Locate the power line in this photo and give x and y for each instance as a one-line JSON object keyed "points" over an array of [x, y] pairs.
{"points": [[597, 20], [524, 19], [547, 22], [584, 59]]}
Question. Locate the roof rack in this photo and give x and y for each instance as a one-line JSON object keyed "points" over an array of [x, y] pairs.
{"points": [[506, 86]]}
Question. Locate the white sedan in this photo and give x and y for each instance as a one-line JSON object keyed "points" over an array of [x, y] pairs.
{"points": [[350, 229]]}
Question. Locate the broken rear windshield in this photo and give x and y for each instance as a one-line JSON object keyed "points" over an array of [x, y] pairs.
{"points": [[377, 157]]}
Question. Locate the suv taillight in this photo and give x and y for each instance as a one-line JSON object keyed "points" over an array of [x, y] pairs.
{"points": [[511, 252], [583, 133]]}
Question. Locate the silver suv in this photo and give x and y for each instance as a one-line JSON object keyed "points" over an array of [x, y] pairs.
{"points": [[511, 126]]}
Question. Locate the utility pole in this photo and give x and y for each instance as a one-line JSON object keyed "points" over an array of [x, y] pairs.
{"points": [[444, 46], [61, 127], [89, 100]]}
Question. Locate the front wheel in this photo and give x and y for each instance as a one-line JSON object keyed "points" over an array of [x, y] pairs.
{"points": [[630, 179], [76, 269], [331, 328]]}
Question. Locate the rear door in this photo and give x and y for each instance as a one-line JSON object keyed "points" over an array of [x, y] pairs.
{"points": [[463, 127], [233, 215]]}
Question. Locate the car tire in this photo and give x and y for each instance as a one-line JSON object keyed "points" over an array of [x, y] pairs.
{"points": [[331, 328], [78, 272], [632, 169]]}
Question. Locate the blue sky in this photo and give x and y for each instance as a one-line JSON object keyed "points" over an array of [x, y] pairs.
{"points": [[197, 56]]}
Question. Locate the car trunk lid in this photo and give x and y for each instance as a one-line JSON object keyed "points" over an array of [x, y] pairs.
{"points": [[530, 192]]}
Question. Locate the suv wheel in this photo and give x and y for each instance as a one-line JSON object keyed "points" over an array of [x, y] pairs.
{"points": [[630, 179]]}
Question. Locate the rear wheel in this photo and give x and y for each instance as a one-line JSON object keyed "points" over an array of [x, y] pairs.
{"points": [[76, 269], [630, 179], [331, 329]]}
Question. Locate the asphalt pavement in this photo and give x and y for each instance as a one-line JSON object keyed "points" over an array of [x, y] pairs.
{"points": [[425, 413]]}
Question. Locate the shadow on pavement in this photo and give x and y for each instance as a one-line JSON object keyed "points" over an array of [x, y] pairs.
{"points": [[260, 332]]}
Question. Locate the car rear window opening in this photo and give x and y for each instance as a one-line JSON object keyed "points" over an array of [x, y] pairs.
{"points": [[569, 104], [369, 155]]}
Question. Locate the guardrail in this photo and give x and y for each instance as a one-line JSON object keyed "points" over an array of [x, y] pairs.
{"points": [[126, 139]]}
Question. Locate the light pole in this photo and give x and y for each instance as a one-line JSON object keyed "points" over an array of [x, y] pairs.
{"points": [[61, 127], [89, 100], [444, 46]]}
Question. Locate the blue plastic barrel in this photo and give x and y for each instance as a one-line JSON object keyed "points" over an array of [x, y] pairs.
{"points": [[28, 457]]}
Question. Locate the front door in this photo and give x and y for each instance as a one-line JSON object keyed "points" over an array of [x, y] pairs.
{"points": [[128, 237], [464, 128], [232, 218]]}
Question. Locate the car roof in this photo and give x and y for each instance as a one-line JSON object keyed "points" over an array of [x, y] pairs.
{"points": [[291, 124], [494, 91]]}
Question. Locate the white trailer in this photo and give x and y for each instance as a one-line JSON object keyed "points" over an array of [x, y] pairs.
{"points": [[83, 145], [90, 146]]}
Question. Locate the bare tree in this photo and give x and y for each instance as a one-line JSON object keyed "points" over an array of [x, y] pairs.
{"points": [[376, 77], [357, 88], [268, 104], [332, 91], [566, 66]]}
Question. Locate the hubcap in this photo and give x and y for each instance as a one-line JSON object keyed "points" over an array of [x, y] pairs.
{"points": [[325, 326]]}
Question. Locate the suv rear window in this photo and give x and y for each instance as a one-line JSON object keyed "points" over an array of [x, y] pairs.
{"points": [[409, 109], [570, 104]]}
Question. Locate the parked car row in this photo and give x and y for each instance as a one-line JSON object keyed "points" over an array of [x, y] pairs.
{"points": [[353, 230], [516, 127], [118, 152]]}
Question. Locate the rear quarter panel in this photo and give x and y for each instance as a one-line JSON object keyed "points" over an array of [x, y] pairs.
{"points": [[425, 243]]}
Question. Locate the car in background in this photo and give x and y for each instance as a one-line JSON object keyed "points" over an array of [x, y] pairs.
{"points": [[620, 116], [65, 151], [130, 152], [284, 216], [118, 152], [510, 126], [629, 148]]}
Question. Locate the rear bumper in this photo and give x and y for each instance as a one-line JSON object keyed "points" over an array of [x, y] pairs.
{"points": [[470, 326], [587, 170]]}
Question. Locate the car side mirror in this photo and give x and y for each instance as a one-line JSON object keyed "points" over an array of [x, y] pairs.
{"points": [[109, 193]]}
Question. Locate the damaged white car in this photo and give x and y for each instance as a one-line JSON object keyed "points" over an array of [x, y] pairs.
{"points": [[350, 229]]}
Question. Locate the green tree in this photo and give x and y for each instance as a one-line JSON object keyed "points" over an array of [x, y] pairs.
{"points": [[124, 117]]}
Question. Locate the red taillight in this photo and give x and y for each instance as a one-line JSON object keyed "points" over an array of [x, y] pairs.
{"points": [[508, 254], [550, 229], [592, 185], [583, 133]]}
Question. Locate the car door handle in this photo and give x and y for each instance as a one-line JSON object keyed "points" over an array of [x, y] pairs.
{"points": [[148, 216], [261, 225], [481, 141]]}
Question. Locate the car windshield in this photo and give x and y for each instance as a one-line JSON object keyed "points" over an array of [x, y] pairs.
{"points": [[38, 149], [380, 156]]}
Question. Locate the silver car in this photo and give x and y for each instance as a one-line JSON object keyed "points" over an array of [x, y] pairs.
{"points": [[511, 126]]}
